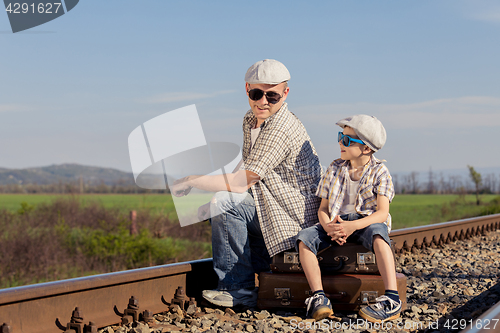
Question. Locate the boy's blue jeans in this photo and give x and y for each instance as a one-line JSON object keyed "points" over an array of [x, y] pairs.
{"points": [[238, 247], [316, 239]]}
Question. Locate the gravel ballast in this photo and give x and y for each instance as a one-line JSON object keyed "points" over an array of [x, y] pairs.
{"points": [[447, 288]]}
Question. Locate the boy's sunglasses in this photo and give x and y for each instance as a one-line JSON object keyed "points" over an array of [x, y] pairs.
{"points": [[271, 96], [346, 140]]}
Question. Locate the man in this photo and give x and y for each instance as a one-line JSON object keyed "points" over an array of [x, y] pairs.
{"points": [[259, 209]]}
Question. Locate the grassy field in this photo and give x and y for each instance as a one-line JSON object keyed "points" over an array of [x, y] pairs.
{"points": [[52, 237], [156, 204], [419, 209], [407, 210]]}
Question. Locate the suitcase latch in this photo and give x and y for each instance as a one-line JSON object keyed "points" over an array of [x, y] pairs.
{"points": [[341, 258], [283, 294], [291, 258], [368, 296], [364, 259]]}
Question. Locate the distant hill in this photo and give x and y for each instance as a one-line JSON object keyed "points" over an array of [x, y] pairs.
{"points": [[65, 173]]}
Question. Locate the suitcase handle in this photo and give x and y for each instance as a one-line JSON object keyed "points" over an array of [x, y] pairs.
{"points": [[339, 295], [328, 268]]}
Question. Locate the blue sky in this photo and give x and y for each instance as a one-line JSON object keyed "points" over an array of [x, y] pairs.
{"points": [[73, 89]]}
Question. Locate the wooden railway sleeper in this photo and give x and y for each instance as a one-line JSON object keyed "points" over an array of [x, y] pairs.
{"points": [[76, 324], [132, 313]]}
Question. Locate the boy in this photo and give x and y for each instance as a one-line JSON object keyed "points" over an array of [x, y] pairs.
{"points": [[356, 191]]}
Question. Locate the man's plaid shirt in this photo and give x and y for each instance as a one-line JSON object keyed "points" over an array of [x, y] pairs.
{"points": [[376, 180], [285, 159]]}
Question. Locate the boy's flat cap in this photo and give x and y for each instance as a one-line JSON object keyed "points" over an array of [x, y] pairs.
{"points": [[368, 128], [267, 71]]}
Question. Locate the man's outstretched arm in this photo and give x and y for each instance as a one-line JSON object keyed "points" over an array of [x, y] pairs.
{"points": [[238, 182]]}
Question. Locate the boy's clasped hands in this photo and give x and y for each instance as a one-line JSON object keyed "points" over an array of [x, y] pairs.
{"points": [[339, 229]]}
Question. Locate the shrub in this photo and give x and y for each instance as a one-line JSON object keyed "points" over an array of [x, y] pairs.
{"points": [[66, 239]]}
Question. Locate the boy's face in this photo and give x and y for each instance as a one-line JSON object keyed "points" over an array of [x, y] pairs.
{"points": [[355, 149]]}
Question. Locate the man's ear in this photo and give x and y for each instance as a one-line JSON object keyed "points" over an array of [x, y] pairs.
{"points": [[285, 93], [247, 87], [367, 150]]}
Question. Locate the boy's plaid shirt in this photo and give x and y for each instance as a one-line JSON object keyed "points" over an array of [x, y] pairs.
{"points": [[285, 159], [376, 180]]}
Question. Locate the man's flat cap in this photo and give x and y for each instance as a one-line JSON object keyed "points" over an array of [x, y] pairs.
{"points": [[267, 71]]}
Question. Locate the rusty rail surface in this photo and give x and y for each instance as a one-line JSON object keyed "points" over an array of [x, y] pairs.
{"points": [[41, 307]]}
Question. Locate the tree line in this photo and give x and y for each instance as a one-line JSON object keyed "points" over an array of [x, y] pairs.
{"points": [[437, 183]]}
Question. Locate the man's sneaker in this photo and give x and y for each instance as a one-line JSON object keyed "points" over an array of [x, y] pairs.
{"points": [[385, 309], [230, 298], [318, 306], [210, 293]]}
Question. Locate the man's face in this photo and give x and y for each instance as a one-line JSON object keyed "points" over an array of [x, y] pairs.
{"points": [[262, 109]]}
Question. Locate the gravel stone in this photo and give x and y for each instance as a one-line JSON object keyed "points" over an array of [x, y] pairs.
{"points": [[191, 310], [230, 312], [250, 328], [206, 323], [262, 315]]}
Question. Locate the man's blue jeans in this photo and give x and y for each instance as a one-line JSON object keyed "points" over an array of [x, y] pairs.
{"points": [[238, 246]]}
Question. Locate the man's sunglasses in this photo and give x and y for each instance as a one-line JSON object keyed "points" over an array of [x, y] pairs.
{"points": [[346, 140], [271, 96]]}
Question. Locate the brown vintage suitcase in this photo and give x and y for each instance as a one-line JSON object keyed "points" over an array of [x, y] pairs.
{"points": [[345, 291], [348, 258]]}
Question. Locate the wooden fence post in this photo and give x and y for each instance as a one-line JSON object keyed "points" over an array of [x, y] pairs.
{"points": [[133, 223]]}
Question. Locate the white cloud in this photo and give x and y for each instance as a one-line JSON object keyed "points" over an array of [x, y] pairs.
{"points": [[462, 112], [182, 96]]}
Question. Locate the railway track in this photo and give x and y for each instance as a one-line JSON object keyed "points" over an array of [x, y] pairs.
{"points": [[106, 299]]}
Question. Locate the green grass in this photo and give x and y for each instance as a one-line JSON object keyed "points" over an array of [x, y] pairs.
{"points": [[12, 202], [156, 203], [409, 210]]}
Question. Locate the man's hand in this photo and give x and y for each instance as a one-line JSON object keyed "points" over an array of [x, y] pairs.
{"points": [[204, 212], [181, 187]]}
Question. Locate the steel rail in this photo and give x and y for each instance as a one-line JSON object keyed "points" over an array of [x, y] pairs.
{"points": [[411, 239], [486, 323], [35, 308]]}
